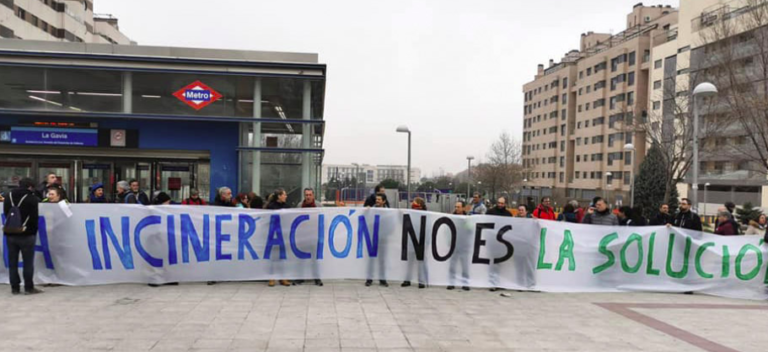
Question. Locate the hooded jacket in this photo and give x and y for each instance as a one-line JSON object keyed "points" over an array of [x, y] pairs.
{"points": [[28, 208], [544, 213], [688, 220]]}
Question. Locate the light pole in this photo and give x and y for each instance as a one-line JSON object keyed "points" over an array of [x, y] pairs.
{"points": [[525, 181], [469, 174], [706, 185], [631, 148], [702, 90], [608, 180], [404, 129]]}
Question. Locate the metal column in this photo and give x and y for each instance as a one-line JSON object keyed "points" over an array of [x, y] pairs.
{"points": [[256, 139], [127, 92], [306, 138]]}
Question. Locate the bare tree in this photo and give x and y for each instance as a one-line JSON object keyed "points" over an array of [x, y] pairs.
{"points": [[503, 170], [735, 58]]}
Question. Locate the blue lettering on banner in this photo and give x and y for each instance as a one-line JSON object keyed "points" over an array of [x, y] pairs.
{"points": [[364, 234], [189, 235], [148, 221], [222, 237], [90, 230], [294, 247], [173, 257], [43, 247], [197, 95], [245, 231], [320, 236], [340, 219], [275, 238], [124, 253]]}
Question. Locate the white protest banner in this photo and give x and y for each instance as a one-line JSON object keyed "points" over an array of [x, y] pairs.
{"points": [[103, 244]]}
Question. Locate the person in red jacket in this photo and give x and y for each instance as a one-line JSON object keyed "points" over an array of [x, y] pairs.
{"points": [[194, 198], [544, 211]]}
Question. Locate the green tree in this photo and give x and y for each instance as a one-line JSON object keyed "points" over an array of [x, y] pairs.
{"points": [[650, 181], [747, 212], [391, 184]]}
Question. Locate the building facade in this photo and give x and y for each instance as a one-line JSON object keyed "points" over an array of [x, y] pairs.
{"points": [[172, 118], [371, 174], [58, 20], [580, 113]]}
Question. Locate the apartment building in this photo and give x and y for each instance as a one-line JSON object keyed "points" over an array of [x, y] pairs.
{"points": [[58, 20], [372, 174], [580, 113]]}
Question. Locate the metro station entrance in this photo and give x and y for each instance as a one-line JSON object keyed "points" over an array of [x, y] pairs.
{"points": [[175, 176]]}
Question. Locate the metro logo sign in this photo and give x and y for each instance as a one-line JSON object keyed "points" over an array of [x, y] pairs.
{"points": [[197, 95]]}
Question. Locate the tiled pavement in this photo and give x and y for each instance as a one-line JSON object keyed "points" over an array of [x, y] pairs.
{"points": [[346, 316]]}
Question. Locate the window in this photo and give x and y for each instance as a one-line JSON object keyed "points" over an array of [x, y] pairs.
{"points": [[627, 179], [586, 107], [578, 143], [565, 84], [581, 74], [627, 158], [597, 139], [562, 115], [657, 64], [599, 103], [599, 85], [656, 105], [631, 79], [628, 137], [589, 72], [598, 121], [578, 125], [579, 108], [580, 91], [631, 98], [562, 176], [586, 124], [565, 98], [657, 84], [589, 89], [684, 49], [578, 159], [632, 58], [562, 130]]}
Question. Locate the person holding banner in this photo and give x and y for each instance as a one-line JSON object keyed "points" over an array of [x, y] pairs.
{"points": [[477, 207], [500, 209], [544, 211], [277, 201], [522, 212], [371, 200], [224, 198], [662, 218], [194, 198], [20, 229], [726, 226], [418, 204], [380, 202], [463, 245], [136, 196], [600, 214], [686, 218], [310, 202], [97, 194]]}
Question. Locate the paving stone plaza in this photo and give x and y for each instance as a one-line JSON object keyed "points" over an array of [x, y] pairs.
{"points": [[347, 316]]}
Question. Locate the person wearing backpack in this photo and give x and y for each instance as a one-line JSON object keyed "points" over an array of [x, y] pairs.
{"points": [[20, 230], [135, 195]]}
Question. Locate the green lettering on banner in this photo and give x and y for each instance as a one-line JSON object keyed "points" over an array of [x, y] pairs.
{"points": [[566, 252], [686, 253], [650, 270], [624, 265], [604, 250], [697, 261], [542, 251], [739, 258], [726, 262]]}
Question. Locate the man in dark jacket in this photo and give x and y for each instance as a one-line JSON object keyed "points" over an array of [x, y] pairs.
{"points": [[371, 200], [500, 209], [224, 198], [686, 218], [600, 214], [194, 198], [136, 196], [662, 218], [51, 180], [25, 199]]}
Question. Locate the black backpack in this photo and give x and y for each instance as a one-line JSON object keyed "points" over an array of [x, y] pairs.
{"points": [[13, 222]]}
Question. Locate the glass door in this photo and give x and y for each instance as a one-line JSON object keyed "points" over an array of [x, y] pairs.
{"points": [[11, 172], [96, 173], [63, 172], [176, 179]]}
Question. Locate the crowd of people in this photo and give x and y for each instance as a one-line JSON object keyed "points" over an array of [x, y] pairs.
{"points": [[20, 207]]}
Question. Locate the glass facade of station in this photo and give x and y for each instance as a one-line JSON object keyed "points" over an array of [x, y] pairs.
{"points": [[102, 118]]}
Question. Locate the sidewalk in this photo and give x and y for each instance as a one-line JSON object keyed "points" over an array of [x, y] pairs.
{"points": [[347, 316]]}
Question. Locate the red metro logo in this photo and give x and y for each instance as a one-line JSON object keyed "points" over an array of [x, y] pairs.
{"points": [[197, 95]]}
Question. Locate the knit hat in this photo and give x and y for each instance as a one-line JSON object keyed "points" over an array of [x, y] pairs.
{"points": [[161, 198]]}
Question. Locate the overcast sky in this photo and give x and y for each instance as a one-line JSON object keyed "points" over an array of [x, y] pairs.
{"points": [[450, 70]]}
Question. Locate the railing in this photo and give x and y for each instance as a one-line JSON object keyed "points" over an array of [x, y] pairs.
{"points": [[724, 12], [665, 37]]}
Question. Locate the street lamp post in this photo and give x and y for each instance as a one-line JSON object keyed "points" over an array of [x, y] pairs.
{"points": [[404, 129], [525, 181], [702, 90], [608, 180], [706, 186], [469, 174], [631, 148]]}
